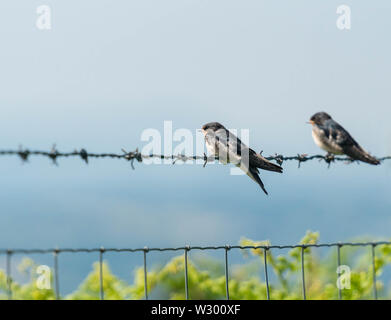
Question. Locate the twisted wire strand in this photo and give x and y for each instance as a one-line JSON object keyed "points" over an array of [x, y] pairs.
{"points": [[54, 154], [188, 248]]}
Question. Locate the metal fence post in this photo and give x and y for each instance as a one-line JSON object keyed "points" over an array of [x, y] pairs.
{"points": [[56, 275], [186, 274], [339, 264], [101, 291], [145, 250], [373, 246], [302, 272], [266, 274], [8, 272], [227, 247]]}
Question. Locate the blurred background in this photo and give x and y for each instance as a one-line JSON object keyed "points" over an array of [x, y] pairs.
{"points": [[108, 70]]}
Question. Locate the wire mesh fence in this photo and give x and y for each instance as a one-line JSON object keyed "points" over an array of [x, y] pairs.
{"points": [[9, 253]]}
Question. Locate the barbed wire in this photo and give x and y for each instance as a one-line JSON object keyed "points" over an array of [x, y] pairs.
{"points": [[131, 156], [185, 249]]}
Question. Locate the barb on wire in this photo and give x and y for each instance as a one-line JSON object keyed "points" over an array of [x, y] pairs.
{"points": [[54, 154]]}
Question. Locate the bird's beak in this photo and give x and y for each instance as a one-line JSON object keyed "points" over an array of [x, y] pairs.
{"points": [[310, 122]]}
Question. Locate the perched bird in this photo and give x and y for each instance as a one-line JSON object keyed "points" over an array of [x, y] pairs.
{"points": [[334, 139], [229, 149]]}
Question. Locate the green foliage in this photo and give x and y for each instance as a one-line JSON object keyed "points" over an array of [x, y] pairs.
{"points": [[114, 288], [207, 281], [28, 291]]}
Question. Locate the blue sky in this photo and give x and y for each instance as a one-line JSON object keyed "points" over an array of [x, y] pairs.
{"points": [[106, 71]]}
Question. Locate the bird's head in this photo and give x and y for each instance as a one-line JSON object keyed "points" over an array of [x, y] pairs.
{"points": [[213, 126], [319, 118]]}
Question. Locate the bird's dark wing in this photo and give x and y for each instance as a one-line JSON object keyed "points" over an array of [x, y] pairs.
{"points": [[348, 145], [336, 132], [228, 145], [357, 153], [247, 159], [240, 152]]}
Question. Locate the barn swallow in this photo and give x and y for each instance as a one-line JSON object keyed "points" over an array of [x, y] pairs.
{"points": [[333, 138], [229, 149]]}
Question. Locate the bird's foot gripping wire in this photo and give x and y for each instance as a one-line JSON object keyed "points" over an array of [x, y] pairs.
{"points": [[209, 159], [329, 158]]}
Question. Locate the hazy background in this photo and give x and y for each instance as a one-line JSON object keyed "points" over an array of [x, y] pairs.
{"points": [[108, 70]]}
